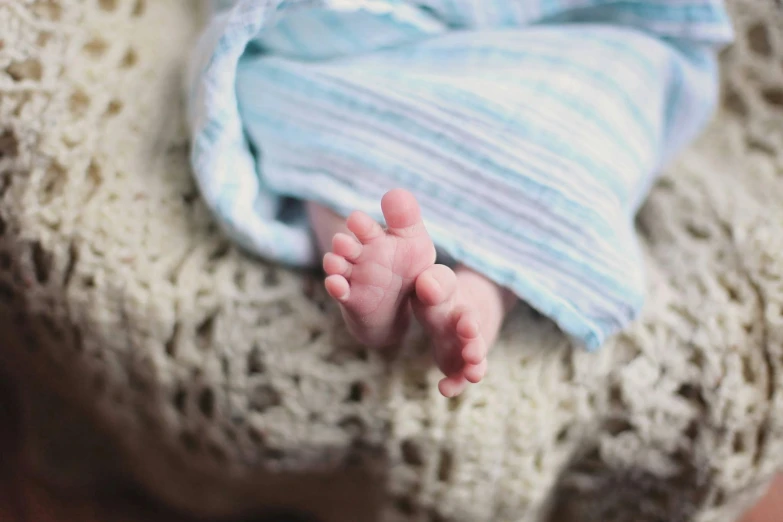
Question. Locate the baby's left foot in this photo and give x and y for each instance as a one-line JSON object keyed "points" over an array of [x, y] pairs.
{"points": [[454, 326], [371, 274]]}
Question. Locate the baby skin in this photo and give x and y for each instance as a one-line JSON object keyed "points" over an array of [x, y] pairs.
{"points": [[380, 277]]}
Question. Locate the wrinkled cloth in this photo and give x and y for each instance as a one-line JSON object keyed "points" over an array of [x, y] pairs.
{"points": [[529, 130]]}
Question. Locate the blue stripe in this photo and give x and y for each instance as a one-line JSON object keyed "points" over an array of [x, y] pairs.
{"points": [[328, 145], [270, 73]]}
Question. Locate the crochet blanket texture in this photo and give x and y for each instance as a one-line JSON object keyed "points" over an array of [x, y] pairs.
{"points": [[225, 384]]}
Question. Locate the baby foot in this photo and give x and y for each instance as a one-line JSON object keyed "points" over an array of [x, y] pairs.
{"points": [[372, 273], [453, 323]]}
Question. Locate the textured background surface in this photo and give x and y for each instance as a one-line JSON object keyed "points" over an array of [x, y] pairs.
{"points": [[27, 497], [220, 384]]}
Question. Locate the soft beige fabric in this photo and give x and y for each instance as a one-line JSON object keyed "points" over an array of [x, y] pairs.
{"points": [[226, 384]]}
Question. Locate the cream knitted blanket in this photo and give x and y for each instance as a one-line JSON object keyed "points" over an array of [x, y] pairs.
{"points": [[225, 384]]}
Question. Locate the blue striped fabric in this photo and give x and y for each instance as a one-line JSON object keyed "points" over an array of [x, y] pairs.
{"points": [[530, 130]]}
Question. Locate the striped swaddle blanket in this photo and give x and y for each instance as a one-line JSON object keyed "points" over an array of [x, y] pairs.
{"points": [[530, 130]]}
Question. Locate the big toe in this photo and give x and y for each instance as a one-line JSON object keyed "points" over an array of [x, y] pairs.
{"points": [[436, 285], [401, 211]]}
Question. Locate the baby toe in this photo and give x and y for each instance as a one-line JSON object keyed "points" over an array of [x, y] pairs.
{"points": [[337, 287], [336, 265], [467, 325], [475, 372], [452, 386], [402, 213], [346, 246], [474, 352], [363, 227]]}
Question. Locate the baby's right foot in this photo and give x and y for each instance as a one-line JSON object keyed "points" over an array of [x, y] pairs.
{"points": [[372, 273], [454, 325]]}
